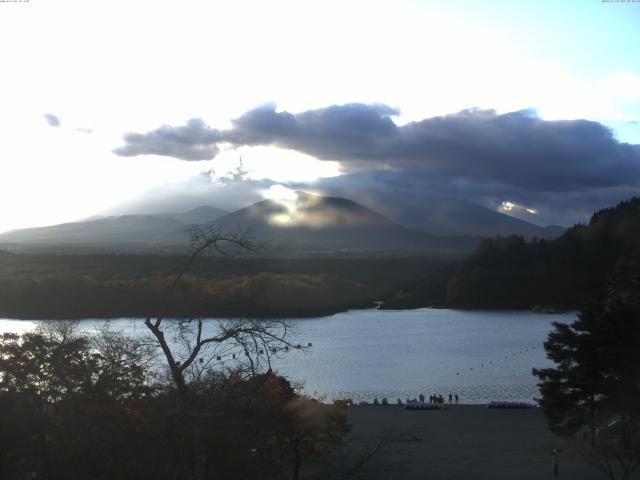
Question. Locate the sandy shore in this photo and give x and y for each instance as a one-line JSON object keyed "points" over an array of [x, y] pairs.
{"points": [[463, 442]]}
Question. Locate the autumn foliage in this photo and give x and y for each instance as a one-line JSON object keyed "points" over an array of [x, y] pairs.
{"points": [[74, 407]]}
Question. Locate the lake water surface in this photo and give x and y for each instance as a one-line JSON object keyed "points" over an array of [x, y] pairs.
{"points": [[363, 354]]}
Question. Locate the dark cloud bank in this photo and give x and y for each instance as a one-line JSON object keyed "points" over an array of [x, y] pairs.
{"points": [[557, 167], [193, 141]]}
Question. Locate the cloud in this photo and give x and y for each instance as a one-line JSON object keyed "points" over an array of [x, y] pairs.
{"points": [[517, 149], [507, 206], [193, 141], [52, 120], [228, 191], [562, 169], [344, 132]]}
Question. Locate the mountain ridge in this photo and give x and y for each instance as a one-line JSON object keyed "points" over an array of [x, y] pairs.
{"points": [[297, 223]]}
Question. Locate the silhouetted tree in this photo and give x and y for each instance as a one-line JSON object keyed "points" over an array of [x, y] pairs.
{"points": [[255, 340], [596, 382], [572, 391], [66, 402], [283, 426], [191, 348]]}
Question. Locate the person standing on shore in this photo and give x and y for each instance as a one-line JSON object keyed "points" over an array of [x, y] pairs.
{"points": [[456, 399], [450, 398], [556, 460]]}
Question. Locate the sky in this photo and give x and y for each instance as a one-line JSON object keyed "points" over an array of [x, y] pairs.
{"points": [[528, 108]]}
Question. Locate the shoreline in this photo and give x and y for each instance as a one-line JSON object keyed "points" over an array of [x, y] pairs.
{"points": [[297, 316]]}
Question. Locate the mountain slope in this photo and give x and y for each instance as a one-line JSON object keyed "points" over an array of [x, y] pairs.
{"points": [[202, 214], [299, 225], [123, 230], [421, 206], [113, 233], [311, 223], [451, 216]]}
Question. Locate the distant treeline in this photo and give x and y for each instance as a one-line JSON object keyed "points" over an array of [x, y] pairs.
{"points": [[80, 286], [509, 272]]}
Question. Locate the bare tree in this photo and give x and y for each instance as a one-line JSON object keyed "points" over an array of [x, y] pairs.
{"points": [[615, 455], [190, 347], [193, 348]]}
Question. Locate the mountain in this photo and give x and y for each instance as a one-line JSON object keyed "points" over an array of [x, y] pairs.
{"points": [[312, 223], [418, 204], [298, 225], [112, 233], [453, 216], [202, 214], [305, 211]]}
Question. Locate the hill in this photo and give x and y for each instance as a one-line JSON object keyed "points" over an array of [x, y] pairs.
{"points": [[307, 223], [301, 225], [113, 233], [108, 232], [510, 272], [202, 214], [425, 210], [453, 216]]}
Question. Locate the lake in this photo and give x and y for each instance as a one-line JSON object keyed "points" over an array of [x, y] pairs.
{"points": [[363, 354]]}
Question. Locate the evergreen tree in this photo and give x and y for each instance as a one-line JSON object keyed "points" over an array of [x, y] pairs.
{"points": [[596, 381]]}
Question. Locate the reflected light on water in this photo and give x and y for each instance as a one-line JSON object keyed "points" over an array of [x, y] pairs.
{"points": [[16, 326], [363, 354]]}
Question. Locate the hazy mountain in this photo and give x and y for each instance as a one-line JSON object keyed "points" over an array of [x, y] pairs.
{"points": [[452, 216], [108, 232], [202, 214], [300, 224], [311, 223]]}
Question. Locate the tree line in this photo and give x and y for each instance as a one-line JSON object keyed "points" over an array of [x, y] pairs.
{"points": [[108, 286], [513, 273]]}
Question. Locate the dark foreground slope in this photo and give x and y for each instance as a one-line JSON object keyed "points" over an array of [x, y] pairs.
{"points": [[464, 442]]}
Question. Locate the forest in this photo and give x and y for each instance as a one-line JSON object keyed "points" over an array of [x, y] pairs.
{"points": [[108, 286], [511, 273]]}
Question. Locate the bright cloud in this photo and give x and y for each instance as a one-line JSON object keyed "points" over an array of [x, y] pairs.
{"points": [[510, 207], [280, 193]]}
